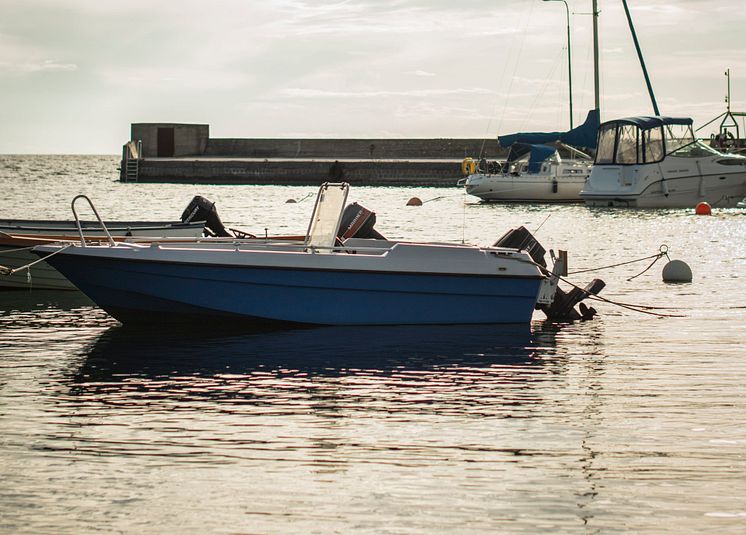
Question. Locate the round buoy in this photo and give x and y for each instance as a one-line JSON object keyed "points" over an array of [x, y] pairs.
{"points": [[291, 201], [414, 201], [677, 271], [703, 208]]}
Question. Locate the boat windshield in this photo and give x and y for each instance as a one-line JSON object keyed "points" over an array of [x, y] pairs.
{"points": [[677, 136], [695, 149]]}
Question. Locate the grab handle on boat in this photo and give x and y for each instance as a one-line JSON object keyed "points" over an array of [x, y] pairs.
{"points": [[80, 227]]}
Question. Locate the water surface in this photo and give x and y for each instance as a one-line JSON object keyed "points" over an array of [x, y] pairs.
{"points": [[627, 423]]}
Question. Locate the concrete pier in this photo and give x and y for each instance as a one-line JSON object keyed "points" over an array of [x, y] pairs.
{"points": [[185, 153]]}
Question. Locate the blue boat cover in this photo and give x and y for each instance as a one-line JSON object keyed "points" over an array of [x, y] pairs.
{"points": [[585, 135], [645, 122], [539, 153]]}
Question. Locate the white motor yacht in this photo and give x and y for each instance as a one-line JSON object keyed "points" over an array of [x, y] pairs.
{"points": [[656, 162]]}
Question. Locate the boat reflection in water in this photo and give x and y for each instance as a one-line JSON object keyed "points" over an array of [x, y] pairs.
{"points": [[126, 367]]}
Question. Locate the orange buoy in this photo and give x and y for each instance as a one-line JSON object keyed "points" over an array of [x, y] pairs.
{"points": [[703, 208], [414, 201]]}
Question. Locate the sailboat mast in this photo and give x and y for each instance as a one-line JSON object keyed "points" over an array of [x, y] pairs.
{"points": [[596, 84], [642, 61]]}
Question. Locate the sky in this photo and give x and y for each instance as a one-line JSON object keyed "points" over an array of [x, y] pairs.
{"points": [[75, 73]]}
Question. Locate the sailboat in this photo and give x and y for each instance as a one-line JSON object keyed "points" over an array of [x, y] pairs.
{"points": [[534, 170]]}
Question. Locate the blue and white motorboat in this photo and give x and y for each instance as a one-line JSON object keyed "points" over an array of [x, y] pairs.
{"points": [[320, 280]]}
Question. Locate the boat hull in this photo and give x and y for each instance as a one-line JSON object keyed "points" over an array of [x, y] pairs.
{"points": [[525, 188], [135, 291], [682, 185]]}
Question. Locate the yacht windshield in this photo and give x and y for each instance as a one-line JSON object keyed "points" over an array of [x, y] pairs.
{"points": [[677, 136], [695, 149]]}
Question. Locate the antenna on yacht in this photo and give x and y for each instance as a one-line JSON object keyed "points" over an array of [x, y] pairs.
{"points": [[639, 55]]}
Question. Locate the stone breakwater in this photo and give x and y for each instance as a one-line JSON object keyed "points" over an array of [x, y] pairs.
{"points": [[300, 171], [186, 154]]}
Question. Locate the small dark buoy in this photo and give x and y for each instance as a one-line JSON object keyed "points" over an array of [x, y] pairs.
{"points": [[414, 201], [677, 271], [291, 201], [703, 208]]}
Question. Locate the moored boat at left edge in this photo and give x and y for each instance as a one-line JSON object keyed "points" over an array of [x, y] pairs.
{"points": [[19, 236]]}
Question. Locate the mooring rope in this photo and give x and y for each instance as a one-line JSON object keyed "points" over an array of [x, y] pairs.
{"points": [[643, 309], [18, 250], [663, 251], [5, 270]]}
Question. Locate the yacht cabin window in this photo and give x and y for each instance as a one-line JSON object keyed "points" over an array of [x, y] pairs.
{"points": [[626, 147], [606, 140], [653, 145]]}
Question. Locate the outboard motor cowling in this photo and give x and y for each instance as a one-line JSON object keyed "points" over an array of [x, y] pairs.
{"points": [[520, 238], [357, 222], [201, 209]]}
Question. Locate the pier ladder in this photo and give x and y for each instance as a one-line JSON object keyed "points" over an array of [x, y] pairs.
{"points": [[130, 171]]}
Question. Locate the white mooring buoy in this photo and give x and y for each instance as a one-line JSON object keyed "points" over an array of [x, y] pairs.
{"points": [[677, 271]]}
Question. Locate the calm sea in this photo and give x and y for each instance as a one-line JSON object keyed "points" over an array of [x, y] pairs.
{"points": [[629, 423]]}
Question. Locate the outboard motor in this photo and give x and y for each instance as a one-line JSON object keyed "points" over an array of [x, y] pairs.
{"points": [[562, 305], [200, 209], [357, 222], [521, 238]]}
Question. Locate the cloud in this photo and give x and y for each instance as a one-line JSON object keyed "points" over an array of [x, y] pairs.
{"points": [[410, 93], [182, 80], [46, 65], [421, 73]]}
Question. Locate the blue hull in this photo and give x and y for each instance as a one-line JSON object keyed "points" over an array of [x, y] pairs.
{"points": [[133, 291]]}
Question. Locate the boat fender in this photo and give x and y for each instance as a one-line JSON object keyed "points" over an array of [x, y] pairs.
{"points": [[554, 186]]}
